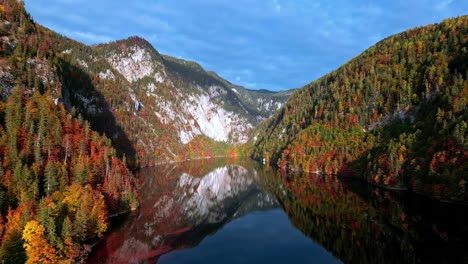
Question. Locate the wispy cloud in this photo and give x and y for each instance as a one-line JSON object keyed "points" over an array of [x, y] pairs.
{"points": [[149, 22], [88, 37], [83, 36], [277, 5], [443, 4], [70, 1]]}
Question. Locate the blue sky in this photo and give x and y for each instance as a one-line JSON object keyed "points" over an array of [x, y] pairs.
{"points": [[269, 44]]}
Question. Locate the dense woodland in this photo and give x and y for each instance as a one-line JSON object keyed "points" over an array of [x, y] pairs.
{"points": [[68, 137], [133, 114], [60, 179], [395, 116]]}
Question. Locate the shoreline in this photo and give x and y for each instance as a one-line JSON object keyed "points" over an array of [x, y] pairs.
{"points": [[381, 186]]}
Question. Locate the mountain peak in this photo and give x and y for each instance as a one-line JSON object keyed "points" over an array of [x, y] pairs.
{"points": [[136, 40], [124, 45]]}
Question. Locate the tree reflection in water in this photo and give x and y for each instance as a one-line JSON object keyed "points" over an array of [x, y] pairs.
{"points": [[359, 223]]}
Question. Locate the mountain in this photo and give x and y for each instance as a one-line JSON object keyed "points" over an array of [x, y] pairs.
{"points": [[170, 109], [395, 116], [262, 103]]}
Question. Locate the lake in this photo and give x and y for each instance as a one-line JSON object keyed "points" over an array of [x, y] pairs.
{"points": [[224, 211]]}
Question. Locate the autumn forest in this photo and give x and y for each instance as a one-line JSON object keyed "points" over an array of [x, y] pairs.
{"points": [[76, 126]]}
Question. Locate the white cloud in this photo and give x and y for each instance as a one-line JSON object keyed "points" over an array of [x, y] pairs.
{"points": [[91, 37], [230, 36], [277, 6], [83, 36], [70, 1], [151, 22], [250, 85], [370, 10]]}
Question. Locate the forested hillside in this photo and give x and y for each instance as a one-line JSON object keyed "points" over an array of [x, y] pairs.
{"points": [[59, 179], [74, 118], [396, 115]]}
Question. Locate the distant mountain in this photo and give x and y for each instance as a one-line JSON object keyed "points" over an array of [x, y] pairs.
{"points": [[262, 103], [396, 116]]}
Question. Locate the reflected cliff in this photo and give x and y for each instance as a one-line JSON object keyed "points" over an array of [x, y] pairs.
{"points": [[181, 205]]}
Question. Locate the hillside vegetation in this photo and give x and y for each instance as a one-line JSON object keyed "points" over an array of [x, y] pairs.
{"points": [[396, 116], [59, 179]]}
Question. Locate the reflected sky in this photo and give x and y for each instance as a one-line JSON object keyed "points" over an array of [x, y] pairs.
{"points": [[260, 237]]}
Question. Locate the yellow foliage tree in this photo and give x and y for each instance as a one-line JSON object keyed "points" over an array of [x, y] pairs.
{"points": [[37, 247]]}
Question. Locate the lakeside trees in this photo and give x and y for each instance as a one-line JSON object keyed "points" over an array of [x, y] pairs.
{"points": [[59, 180]]}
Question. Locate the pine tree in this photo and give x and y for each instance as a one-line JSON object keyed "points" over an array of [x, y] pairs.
{"points": [[70, 250], [80, 226], [11, 251], [13, 120], [51, 181]]}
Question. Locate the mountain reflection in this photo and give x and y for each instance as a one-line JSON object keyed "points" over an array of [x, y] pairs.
{"points": [[182, 204]]}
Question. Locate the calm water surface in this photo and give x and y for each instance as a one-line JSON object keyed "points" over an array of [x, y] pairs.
{"points": [[223, 212]]}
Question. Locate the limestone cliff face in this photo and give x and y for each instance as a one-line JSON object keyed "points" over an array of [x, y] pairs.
{"points": [[197, 109]]}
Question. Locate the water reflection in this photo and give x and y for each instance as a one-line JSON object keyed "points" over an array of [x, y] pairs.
{"points": [[359, 223], [181, 205], [184, 203]]}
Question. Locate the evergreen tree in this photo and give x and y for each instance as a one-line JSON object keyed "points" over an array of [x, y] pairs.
{"points": [[51, 181]]}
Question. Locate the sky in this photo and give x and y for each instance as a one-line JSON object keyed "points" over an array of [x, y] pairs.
{"points": [[269, 44]]}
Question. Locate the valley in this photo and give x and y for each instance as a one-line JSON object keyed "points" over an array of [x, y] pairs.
{"points": [[112, 129]]}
